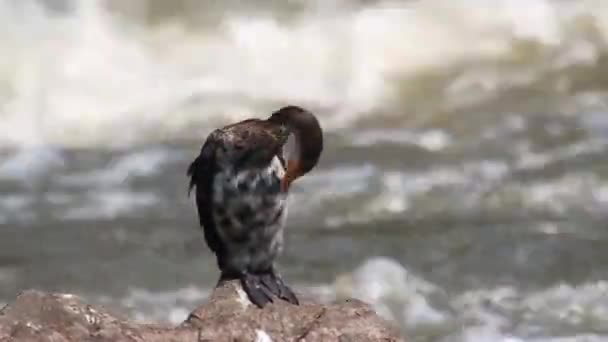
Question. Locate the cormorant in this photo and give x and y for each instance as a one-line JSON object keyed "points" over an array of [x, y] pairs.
{"points": [[242, 178]]}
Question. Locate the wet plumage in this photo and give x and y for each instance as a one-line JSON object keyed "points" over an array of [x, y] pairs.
{"points": [[242, 177]]}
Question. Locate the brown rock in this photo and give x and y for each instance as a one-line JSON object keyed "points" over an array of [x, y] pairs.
{"points": [[227, 316]]}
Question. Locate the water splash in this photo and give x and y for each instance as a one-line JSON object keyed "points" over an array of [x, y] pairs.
{"points": [[92, 78]]}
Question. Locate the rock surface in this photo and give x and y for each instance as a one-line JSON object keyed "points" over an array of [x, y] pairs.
{"points": [[227, 316]]}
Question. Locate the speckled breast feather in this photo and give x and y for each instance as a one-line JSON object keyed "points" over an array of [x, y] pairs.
{"points": [[249, 211]]}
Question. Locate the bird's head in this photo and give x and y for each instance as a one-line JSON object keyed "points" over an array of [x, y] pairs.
{"points": [[304, 144]]}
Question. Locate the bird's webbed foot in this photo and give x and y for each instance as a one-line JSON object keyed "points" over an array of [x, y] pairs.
{"points": [[263, 287]]}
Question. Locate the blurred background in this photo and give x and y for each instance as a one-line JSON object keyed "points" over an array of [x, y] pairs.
{"points": [[463, 190]]}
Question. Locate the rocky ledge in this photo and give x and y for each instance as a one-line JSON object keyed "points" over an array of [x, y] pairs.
{"points": [[226, 316]]}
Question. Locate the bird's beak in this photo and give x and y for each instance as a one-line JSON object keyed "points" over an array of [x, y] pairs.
{"points": [[285, 182], [292, 172]]}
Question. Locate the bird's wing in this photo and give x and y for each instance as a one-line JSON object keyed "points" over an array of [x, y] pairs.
{"points": [[201, 173]]}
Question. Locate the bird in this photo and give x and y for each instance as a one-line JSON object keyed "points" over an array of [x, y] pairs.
{"points": [[242, 178]]}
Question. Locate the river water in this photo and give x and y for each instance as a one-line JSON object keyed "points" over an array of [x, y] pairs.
{"points": [[463, 190]]}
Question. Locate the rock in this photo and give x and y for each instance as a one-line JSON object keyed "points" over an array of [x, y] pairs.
{"points": [[227, 316]]}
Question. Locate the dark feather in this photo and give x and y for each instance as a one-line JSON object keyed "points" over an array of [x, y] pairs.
{"points": [[200, 172]]}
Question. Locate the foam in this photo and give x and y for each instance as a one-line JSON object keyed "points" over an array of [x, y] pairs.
{"points": [[93, 79]]}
